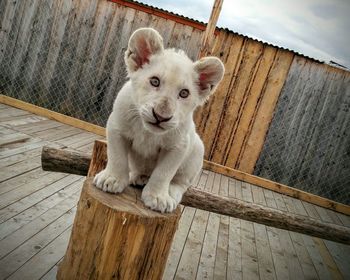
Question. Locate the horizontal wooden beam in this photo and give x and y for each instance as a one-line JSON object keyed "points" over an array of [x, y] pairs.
{"points": [[52, 115], [61, 159], [230, 172]]}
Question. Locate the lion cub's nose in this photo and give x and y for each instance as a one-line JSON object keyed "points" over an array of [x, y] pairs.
{"points": [[160, 118]]}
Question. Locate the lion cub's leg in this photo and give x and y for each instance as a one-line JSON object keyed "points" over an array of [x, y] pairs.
{"points": [[181, 182], [155, 194], [188, 171], [176, 191], [115, 177]]}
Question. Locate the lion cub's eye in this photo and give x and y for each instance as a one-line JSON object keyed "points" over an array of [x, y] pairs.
{"points": [[154, 81], [184, 93]]}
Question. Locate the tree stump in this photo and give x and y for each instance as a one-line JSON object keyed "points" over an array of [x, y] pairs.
{"points": [[116, 236]]}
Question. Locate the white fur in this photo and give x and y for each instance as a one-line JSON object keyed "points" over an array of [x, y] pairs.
{"points": [[168, 156]]}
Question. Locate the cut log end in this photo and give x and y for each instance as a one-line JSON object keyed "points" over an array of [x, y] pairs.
{"points": [[128, 201]]}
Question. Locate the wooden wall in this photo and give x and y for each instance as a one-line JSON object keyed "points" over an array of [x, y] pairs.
{"points": [[308, 143], [234, 123]]}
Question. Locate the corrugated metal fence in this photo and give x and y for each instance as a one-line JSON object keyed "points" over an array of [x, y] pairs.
{"points": [[67, 56]]}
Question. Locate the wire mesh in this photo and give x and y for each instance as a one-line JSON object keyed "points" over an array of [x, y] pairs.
{"points": [[71, 62], [308, 142], [77, 77]]}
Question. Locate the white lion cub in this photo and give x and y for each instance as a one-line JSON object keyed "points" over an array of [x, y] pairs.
{"points": [[150, 133]]}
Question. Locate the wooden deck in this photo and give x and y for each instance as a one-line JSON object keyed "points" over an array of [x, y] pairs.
{"points": [[37, 210]]}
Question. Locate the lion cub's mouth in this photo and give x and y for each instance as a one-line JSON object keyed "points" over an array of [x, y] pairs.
{"points": [[156, 124]]}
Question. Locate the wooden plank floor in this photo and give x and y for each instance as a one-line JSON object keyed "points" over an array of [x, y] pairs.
{"points": [[37, 210]]}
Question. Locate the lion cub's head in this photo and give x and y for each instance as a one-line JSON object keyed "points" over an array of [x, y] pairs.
{"points": [[167, 85]]}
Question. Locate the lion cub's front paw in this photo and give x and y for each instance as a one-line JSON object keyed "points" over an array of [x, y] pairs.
{"points": [[161, 202], [110, 183]]}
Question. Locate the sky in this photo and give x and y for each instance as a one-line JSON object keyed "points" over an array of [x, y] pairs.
{"points": [[316, 28]]}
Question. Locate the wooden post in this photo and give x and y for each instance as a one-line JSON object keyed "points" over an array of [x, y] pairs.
{"points": [[208, 35], [116, 236]]}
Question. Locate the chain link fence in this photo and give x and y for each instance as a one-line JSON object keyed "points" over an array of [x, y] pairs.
{"points": [[308, 142], [73, 69], [67, 56]]}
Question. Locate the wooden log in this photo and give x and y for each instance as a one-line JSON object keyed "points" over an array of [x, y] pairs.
{"points": [[66, 161], [277, 187], [231, 206], [265, 215], [116, 236]]}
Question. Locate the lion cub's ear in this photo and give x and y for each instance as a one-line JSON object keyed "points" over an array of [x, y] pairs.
{"points": [[210, 72], [143, 43]]}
